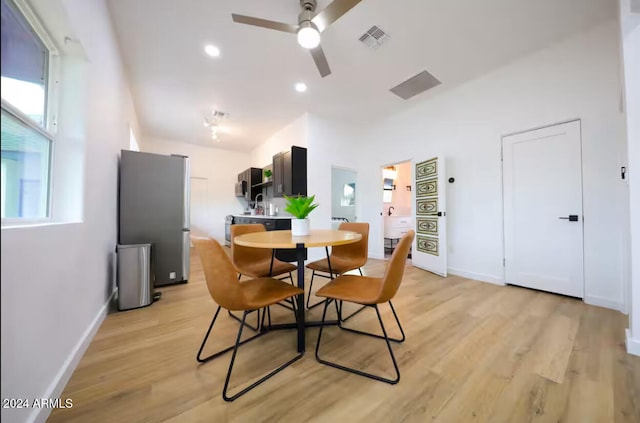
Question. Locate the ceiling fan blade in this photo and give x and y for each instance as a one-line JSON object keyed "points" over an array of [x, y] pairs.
{"points": [[264, 23], [321, 61], [333, 12]]}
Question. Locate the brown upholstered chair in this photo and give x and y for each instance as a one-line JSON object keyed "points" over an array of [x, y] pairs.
{"points": [[257, 262], [343, 258], [248, 296], [369, 292]]}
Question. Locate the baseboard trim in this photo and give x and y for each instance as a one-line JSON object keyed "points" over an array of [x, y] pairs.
{"points": [[604, 302], [633, 345], [476, 276], [375, 255], [60, 381]]}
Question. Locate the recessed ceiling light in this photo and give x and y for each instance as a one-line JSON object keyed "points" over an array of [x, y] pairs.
{"points": [[301, 87], [212, 51]]}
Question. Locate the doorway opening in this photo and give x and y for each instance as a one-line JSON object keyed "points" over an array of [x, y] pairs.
{"points": [[397, 204]]}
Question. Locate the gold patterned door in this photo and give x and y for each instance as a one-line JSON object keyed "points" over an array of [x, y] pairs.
{"points": [[430, 251]]}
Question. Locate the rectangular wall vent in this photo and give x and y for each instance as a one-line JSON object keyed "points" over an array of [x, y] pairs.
{"points": [[374, 37], [415, 85]]}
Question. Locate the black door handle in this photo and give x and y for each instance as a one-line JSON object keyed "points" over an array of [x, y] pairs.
{"points": [[570, 218]]}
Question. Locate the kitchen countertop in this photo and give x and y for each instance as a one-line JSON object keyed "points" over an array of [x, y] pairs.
{"points": [[260, 216]]}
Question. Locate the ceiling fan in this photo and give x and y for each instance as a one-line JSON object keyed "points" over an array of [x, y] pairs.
{"points": [[310, 25]]}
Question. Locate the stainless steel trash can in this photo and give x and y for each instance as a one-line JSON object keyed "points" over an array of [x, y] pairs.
{"points": [[135, 285]]}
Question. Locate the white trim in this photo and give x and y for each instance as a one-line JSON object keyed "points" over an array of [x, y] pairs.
{"points": [[64, 374], [496, 280], [633, 345], [21, 225], [426, 269], [36, 25], [376, 256], [562, 122], [604, 302], [26, 120]]}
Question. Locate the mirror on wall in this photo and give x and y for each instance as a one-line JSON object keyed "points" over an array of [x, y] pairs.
{"points": [[348, 195], [343, 195]]}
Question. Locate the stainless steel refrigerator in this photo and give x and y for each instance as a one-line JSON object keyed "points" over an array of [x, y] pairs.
{"points": [[154, 208]]}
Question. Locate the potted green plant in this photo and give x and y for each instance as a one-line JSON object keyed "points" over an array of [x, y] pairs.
{"points": [[300, 207], [267, 174]]}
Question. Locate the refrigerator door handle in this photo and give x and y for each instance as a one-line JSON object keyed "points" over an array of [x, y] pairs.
{"points": [[186, 190], [186, 254]]}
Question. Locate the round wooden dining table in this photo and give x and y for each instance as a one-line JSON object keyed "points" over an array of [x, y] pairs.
{"points": [[284, 239]]}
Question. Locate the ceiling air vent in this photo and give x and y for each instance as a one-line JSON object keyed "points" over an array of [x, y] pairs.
{"points": [[374, 37], [415, 85]]}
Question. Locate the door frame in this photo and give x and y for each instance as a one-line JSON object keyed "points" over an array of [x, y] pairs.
{"points": [[504, 241], [382, 203]]}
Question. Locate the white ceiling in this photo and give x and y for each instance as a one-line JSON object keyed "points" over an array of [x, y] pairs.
{"points": [[175, 84]]}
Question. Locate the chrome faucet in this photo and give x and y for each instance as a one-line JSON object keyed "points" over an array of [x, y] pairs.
{"points": [[263, 203], [391, 207]]}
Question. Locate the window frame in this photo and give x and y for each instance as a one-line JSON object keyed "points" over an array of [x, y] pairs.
{"points": [[50, 121]]}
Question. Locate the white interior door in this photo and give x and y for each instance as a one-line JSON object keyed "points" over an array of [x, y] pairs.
{"points": [[430, 246], [542, 176]]}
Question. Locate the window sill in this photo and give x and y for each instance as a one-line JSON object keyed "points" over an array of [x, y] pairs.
{"points": [[34, 224]]}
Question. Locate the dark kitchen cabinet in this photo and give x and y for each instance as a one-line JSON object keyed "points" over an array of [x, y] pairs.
{"points": [[251, 176], [288, 255], [290, 172]]}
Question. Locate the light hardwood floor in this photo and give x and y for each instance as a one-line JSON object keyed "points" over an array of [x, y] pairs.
{"points": [[474, 352]]}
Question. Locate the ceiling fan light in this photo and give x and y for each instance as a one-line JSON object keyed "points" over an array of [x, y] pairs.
{"points": [[308, 37]]}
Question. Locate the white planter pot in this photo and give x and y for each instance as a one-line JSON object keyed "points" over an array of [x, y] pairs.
{"points": [[299, 227]]}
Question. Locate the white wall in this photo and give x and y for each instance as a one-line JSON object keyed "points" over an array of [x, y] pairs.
{"points": [[295, 133], [576, 78], [630, 35], [220, 169], [56, 279]]}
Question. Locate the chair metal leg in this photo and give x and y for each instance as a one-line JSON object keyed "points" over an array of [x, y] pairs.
{"points": [[255, 328], [267, 314], [355, 312], [258, 382], [219, 353], [273, 257], [400, 340], [313, 274], [356, 371], [288, 303]]}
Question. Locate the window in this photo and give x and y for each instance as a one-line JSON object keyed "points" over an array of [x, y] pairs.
{"points": [[348, 195], [27, 141]]}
